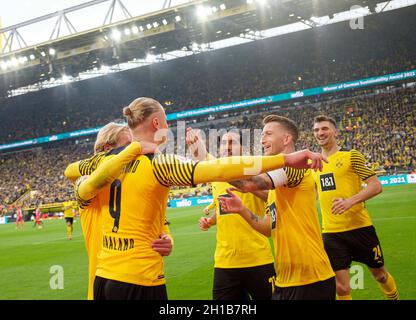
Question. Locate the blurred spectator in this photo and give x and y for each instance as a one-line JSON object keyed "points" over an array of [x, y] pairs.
{"points": [[382, 126], [291, 62]]}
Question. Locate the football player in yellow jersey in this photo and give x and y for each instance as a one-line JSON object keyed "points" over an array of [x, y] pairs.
{"points": [[303, 270], [111, 136], [133, 206], [69, 218], [243, 258], [348, 232]]}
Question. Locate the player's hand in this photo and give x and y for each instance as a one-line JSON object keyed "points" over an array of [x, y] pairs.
{"points": [[195, 144], [340, 205], [206, 211], [148, 147], [230, 203], [305, 159], [163, 245], [204, 223]]}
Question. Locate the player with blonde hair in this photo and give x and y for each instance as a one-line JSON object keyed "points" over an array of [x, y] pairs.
{"points": [[303, 270], [133, 206], [111, 136]]}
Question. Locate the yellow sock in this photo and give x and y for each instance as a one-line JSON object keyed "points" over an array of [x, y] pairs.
{"points": [[346, 297], [389, 288], [69, 230]]}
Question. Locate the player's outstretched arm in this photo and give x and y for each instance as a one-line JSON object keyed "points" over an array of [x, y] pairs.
{"points": [[232, 203], [108, 171], [234, 168]]}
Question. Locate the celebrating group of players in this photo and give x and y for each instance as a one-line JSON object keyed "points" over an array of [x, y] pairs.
{"points": [[123, 190]]}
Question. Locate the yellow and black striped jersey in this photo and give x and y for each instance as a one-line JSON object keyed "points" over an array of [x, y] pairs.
{"points": [[299, 252], [69, 211], [133, 206], [91, 224], [87, 166], [133, 213], [343, 177], [238, 244]]}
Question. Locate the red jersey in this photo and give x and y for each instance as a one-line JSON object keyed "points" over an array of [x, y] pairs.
{"points": [[37, 214], [19, 214]]}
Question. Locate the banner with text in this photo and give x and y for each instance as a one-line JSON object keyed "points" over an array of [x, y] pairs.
{"points": [[190, 202], [234, 105]]}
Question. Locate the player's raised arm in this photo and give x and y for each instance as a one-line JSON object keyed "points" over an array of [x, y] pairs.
{"points": [[107, 172], [232, 203], [196, 145]]}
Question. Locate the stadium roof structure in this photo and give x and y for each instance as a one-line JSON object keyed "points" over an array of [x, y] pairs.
{"points": [[189, 27]]}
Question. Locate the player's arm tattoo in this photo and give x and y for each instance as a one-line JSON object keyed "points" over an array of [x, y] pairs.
{"points": [[254, 217], [255, 183]]}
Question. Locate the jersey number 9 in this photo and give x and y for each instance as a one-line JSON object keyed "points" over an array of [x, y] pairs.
{"points": [[115, 203]]}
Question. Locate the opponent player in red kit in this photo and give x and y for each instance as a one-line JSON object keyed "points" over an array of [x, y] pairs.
{"points": [[19, 219], [38, 221]]}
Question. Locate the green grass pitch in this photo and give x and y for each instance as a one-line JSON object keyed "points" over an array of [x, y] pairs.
{"points": [[26, 256]]}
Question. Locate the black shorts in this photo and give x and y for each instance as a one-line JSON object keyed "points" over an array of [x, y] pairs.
{"points": [[243, 283], [106, 289], [361, 245], [70, 220], [321, 290]]}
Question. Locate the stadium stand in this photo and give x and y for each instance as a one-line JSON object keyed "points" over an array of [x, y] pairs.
{"points": [[287, 63], [365, 122], [380, 121]]}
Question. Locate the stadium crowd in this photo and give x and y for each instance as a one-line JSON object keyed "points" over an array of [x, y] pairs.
{"points": [[381, 125], [287, 63]]}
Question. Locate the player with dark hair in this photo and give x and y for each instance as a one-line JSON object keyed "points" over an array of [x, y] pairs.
{"points": [[348, 232], [244, 264]]}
